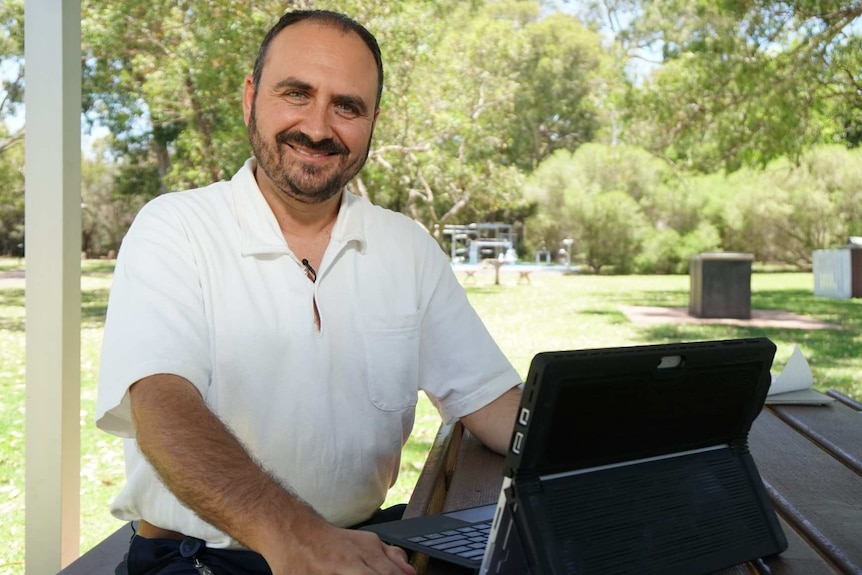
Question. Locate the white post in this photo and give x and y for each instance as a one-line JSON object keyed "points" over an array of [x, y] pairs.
{"points": [[53, 290]]}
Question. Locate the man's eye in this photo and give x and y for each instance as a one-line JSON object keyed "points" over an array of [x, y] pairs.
{"points": [[347, 109]]}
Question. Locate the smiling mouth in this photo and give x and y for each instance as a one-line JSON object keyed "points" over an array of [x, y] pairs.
{"points": [[311, 154]]}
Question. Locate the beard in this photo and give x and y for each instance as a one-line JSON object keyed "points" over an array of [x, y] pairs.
{"points": [[306, 183]]}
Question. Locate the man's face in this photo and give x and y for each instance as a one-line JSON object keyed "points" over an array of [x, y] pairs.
{"points": [[311, 118]]}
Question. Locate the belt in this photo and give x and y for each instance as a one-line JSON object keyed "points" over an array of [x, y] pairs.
{"points": [[150, 531]]}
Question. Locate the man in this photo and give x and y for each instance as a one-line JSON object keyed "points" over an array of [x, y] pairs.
{"points": [[267, 337]]}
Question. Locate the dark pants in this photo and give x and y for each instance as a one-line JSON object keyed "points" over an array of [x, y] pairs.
{"points": [[174, 557]]}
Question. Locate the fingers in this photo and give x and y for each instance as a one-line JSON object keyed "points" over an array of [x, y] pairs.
{"points": [[345, 552], [392, 561], [375, 557], [399, 558]]}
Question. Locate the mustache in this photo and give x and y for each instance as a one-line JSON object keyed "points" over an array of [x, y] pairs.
{"points": [[327, 146]]}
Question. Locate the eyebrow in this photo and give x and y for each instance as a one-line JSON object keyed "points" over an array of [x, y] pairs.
{"points": [[294, 83], [341, 99]]}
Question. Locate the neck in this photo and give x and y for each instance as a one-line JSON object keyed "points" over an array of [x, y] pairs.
{"points": [[307, 221], [296, 218]]}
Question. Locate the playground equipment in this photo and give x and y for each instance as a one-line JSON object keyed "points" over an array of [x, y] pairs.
{"points": [[480, 241]]}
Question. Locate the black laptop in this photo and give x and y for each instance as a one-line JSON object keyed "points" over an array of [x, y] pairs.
{"points": [[629, 460]]}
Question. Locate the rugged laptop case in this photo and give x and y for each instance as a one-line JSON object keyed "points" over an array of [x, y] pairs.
{"points": [[662, 429]]}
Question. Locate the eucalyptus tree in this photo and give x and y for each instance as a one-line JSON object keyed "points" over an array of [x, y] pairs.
{"points": [[741, 83], [11, 66], [476, 94], [11, 139], [481, 93], [165, 78]]}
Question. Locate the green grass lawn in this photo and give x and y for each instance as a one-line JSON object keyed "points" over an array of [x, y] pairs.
{"points": [[552, 312]]}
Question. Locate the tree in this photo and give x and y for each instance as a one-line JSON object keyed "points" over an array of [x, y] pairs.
{"points": [[666, 251], [785, 211], [106, 213], [742, 83], [11, 58], [12, 51], [11, 143], [167, 83], [586, 196], [610, 228], [11, 198], [555, 90], [429, 160], [480, 93], [476, 93]]}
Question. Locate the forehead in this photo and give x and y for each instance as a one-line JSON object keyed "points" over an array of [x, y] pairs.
{"points": [[321, 54]]}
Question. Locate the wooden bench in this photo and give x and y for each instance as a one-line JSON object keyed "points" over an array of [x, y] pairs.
{"points": [[470, 274]]}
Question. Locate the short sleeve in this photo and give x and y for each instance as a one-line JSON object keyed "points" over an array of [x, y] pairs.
{"points": [[462, 367], [156, 322]]}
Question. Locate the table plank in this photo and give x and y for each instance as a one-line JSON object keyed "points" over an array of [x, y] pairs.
{"points": [[798, 559], [835, 427], [846, 400], [818, 496]]}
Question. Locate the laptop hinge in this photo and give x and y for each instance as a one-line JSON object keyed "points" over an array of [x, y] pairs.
{"points": [[739, 446], [527, 484]]}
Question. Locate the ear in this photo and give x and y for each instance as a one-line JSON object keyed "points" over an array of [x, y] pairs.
{"points": [[374, 119], [248, 94]]}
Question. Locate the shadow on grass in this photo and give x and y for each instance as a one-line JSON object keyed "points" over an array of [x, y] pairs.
{"points": [[12, 298], [98, 267], [484, 289], [828, 350], [829, 346], [94, 306], [664, 298], [613, 317], [845, 312]]}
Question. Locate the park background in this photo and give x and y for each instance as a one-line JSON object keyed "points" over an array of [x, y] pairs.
{"points": [[644, 131]]}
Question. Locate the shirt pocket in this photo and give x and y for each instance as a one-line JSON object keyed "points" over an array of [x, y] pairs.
{"points": [[392, 360]]}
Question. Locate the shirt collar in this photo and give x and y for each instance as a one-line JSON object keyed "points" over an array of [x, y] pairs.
{"points": [[259, 228]]}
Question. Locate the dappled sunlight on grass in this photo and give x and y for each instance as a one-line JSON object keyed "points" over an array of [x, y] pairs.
{"points": [[570, 312]]}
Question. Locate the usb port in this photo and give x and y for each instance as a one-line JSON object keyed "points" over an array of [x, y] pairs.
{"points": [[524, 416], [517, 442]]}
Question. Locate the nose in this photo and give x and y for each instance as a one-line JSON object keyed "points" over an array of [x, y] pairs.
{"points": [[316, 123]]}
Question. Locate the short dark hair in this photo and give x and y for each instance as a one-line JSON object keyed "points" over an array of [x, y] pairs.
{"points": [[328, 17]]}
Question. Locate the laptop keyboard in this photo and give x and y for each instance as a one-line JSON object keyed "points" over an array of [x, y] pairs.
{"points": [[467, 542]]}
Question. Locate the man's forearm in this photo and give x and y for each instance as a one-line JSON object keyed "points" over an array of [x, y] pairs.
{"points": [[208, 469], [493, 423]]}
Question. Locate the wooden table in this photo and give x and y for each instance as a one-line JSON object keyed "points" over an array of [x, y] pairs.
{"points": [[810, 458]]}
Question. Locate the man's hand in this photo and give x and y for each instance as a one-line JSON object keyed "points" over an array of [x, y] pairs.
{"points": [[328, 550]]}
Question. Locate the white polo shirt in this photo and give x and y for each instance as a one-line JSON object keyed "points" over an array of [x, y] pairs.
{"points": [[206, 288]]}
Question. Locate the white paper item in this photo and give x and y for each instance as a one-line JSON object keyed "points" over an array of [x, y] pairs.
{"points": [[793, 386], [796, 375]]}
